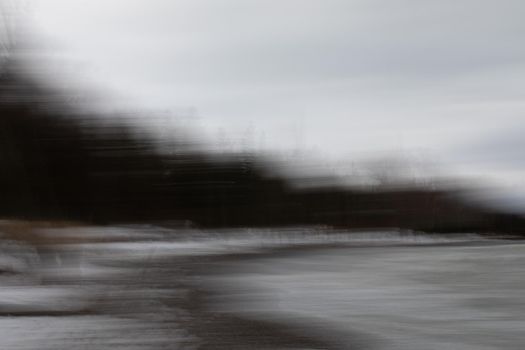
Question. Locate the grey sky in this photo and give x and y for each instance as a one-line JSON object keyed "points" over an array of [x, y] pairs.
{"points": [[342, 78]]}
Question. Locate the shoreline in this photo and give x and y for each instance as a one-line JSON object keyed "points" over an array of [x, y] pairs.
{"points": [[172, 290], [225, 330], [219, 330]]}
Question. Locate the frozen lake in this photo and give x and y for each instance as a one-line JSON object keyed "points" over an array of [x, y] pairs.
{"points": [[466, 296], [264, 289]]}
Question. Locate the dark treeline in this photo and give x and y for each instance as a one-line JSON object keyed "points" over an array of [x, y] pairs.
{"points": [[59, 164]]}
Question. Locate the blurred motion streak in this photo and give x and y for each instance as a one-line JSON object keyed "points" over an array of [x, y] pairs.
{"points": [[115, 238]]}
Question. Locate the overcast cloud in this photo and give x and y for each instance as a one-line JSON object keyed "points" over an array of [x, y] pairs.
{"points": [[341, 77]]}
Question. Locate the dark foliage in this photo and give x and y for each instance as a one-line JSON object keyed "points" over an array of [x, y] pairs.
{"points": [[56, 164]]}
